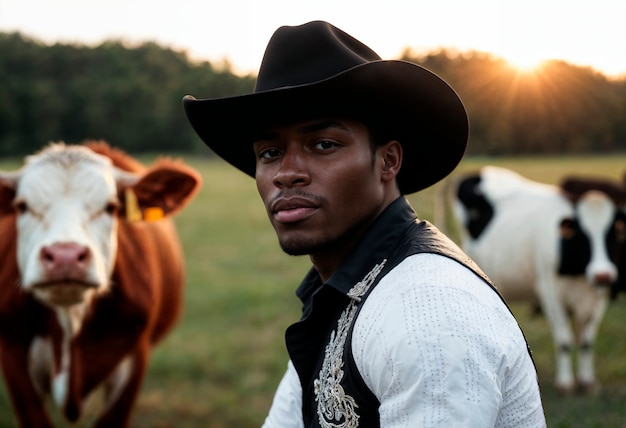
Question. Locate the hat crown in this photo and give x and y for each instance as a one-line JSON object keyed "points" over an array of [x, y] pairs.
{"points": [[308, 53]]}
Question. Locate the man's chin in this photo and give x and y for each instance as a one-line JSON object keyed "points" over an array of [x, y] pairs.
{"points": [[300, 248], [295, 250]]}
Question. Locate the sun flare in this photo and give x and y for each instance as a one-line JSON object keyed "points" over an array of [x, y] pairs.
{"points": [[526, 65]]}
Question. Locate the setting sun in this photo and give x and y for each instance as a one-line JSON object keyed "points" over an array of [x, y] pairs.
{"points": [[526, 64]]}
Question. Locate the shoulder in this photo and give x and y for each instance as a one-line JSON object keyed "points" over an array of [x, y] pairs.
{"points": [[433, 336], [433, 311], [432, 285]]}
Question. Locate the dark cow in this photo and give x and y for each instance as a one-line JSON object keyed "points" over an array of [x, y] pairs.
{"points": [[87, 284], [554, 247]]}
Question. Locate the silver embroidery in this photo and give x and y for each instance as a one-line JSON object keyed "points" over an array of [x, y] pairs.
{"points": [[335, 409], [361, 287]]}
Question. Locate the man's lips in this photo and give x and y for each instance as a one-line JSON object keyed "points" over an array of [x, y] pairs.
{"points": [[291, 210]]}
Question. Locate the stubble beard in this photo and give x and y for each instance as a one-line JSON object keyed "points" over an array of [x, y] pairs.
{"points": [[307, 246], [302, 247]]}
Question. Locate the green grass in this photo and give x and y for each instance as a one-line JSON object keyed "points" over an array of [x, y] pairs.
{"points": [[220, 366]]}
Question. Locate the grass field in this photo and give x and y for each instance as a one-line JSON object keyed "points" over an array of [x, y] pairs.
{"points": [[220, 366]]}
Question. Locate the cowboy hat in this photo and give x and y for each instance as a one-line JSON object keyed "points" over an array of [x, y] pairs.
{"points": [[317, 70]]}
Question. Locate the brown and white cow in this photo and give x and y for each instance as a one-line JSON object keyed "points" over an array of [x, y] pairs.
{"points": [[85, 292], [556, 247]]}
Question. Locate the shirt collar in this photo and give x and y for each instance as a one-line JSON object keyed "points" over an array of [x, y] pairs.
{"points": [[373, 248]]}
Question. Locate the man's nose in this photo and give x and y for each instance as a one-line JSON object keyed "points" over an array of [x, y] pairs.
{"points": [[293, 171]]}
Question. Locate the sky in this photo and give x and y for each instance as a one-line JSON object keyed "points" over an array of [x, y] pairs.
{"points": [[524, 32]]}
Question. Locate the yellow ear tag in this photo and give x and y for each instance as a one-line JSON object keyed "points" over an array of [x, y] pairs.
{"points": [[153, 214], [133, 213]]}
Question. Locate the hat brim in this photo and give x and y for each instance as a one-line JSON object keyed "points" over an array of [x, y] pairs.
{"points": [[414, 105]]}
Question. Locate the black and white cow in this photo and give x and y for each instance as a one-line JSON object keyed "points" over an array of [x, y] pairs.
{"points": [[555, 247]]}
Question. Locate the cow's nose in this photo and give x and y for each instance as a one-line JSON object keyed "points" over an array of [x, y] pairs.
{"points": [[65, 260], [603, 278]]}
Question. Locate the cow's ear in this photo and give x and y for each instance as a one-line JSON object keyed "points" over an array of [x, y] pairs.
{"points": [[169, 188], [8, 185]]}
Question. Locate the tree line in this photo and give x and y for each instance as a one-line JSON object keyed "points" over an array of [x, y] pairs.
{"points": [[131, 97]]}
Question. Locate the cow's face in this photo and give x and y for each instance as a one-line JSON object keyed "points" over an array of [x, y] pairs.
{"points": [[66, 201], [592, 242]]}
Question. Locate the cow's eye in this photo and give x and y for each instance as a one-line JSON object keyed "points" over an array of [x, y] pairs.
{"points": [[568, 228], [111, 208], [620, 230], [20, 207]]}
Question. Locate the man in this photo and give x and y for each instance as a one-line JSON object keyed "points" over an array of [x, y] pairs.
{"points": [[399, 328]]}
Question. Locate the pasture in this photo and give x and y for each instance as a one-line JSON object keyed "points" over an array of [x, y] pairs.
{"points": [[221, 365]]}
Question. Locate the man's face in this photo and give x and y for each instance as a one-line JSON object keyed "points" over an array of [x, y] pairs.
{"points": [[321, 184]]}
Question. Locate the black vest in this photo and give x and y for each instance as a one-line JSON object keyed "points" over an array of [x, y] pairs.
{"points": [[334, 394]]}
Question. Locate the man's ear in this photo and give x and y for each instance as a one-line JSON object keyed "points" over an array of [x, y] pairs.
{"points": [[391, 157]]}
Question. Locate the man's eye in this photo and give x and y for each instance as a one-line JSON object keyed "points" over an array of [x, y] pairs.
{"points": [[269, 153], [325, 145]]}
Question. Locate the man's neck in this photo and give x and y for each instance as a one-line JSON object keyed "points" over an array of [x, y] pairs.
{"points": [[327, 261]]}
